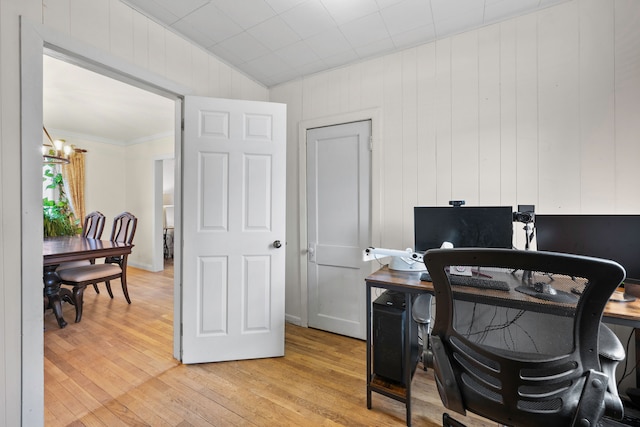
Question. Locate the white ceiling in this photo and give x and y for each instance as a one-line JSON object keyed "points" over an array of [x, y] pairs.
{"points": [[78, 103], [272, 41], [275, 41]]}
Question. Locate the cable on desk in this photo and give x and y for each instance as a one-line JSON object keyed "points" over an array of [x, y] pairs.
{"points": [[505, 327]]}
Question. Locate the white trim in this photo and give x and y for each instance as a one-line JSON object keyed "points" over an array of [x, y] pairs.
{"points": [[374, 115], [35, 41], [61, 133], [32, 362]]}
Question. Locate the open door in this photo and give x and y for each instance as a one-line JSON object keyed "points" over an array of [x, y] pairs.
{"points": [[233, 290]]}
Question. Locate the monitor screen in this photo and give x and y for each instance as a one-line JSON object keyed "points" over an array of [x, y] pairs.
{"points": [[615, 237], [464, 227]]}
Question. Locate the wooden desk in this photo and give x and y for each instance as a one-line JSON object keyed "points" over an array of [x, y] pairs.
{"points": [[56, 250], [622, 313]]}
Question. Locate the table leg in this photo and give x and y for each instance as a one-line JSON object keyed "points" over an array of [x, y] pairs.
{"points": [[368, 298], [53, 293], [408, 360]]}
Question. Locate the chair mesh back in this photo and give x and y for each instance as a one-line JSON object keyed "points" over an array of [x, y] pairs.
{"points": [[519, 356]]}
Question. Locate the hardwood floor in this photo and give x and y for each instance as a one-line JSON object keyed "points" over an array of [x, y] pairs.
{"points": [[115, 368]]}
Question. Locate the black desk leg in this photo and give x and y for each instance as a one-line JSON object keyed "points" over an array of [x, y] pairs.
{"points": [[368, 298], [408, 363]]}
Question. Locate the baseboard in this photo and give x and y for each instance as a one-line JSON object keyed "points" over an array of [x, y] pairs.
{"points": [[293, 319], [141, 266]]}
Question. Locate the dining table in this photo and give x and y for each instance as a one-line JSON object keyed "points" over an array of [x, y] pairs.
{"points": [[61, 249]]}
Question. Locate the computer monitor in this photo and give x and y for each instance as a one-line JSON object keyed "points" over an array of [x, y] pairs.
{"points": [[463, 226], [615, 237]]}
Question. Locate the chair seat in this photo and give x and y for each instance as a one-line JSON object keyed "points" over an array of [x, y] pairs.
{"points": [[89, 272]]}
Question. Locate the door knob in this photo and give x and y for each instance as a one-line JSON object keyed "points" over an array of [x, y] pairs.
{"points": [[277, 244]]}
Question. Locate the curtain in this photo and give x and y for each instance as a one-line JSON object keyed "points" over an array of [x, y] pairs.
{"points": [[73, 175]]}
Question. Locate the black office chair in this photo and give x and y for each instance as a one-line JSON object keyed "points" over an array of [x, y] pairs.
{"points": [[526, 357]]}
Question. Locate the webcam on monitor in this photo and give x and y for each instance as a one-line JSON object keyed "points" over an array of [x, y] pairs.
{"points": [[456, 203], [525, 214]]}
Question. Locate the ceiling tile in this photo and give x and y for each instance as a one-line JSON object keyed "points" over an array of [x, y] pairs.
{"points": [[451, 26], [308, 18], [280, 6], [210, 21], [376, 48], [285, 77], [406, 15], [245, 13], [245, 46], [297, 54], [343, 11], [386, 3], [447, 9], [160, 14], [365, 31], [328, 43], [181, 8], [413, 37], [229, 56], [274, 33], [268, 65], [193, 32], [341, 59], [311, 68]]}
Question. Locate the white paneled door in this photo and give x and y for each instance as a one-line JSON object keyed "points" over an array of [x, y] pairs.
{"points": [[233, 229], [338, 226]]}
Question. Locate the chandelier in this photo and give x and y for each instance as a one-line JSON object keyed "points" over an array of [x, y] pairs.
{"points": [[55, 152]]}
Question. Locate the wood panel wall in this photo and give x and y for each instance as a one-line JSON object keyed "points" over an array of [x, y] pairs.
{"points": [[542, 109]]}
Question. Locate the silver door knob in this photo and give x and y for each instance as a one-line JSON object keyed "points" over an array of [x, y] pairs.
{"points": [[277, 244]]}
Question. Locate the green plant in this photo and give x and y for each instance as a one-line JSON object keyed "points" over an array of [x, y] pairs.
{"points": [[58, 217]]}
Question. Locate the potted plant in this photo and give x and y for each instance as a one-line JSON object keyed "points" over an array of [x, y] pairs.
{"points": [[58, 217]]}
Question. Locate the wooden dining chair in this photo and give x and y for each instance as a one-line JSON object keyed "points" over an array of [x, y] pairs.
{"points": [[123, 231], [124, 228], [92, 229]]}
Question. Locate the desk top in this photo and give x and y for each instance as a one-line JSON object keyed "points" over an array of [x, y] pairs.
{"points": [[56, 250], [625, 313]]}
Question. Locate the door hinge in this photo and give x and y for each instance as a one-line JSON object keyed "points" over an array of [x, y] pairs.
{"points": [[371, 143]]}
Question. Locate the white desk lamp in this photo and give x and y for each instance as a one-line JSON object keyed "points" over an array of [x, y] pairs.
{"points": [[406, 260]]}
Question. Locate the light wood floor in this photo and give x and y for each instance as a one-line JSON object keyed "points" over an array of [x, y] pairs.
{"points": [[115, 368]]}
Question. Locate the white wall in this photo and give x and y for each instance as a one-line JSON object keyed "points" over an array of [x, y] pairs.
{"points": [[116, 30], [105, 183], [541, 109], [140, 162], [120, 178]]}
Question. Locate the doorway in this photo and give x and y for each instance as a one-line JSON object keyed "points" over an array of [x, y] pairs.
{"points": [[338, 196], [35, 42], [124, 130]]}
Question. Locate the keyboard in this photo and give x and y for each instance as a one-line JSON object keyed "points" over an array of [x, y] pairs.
{"points": [[472, 281]]}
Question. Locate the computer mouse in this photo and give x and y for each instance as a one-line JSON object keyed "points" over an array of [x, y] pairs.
{"points": [[544, 288]]}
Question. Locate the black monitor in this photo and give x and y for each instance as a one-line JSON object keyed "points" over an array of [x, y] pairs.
{"points": [[615, 237], [463, 226]]}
